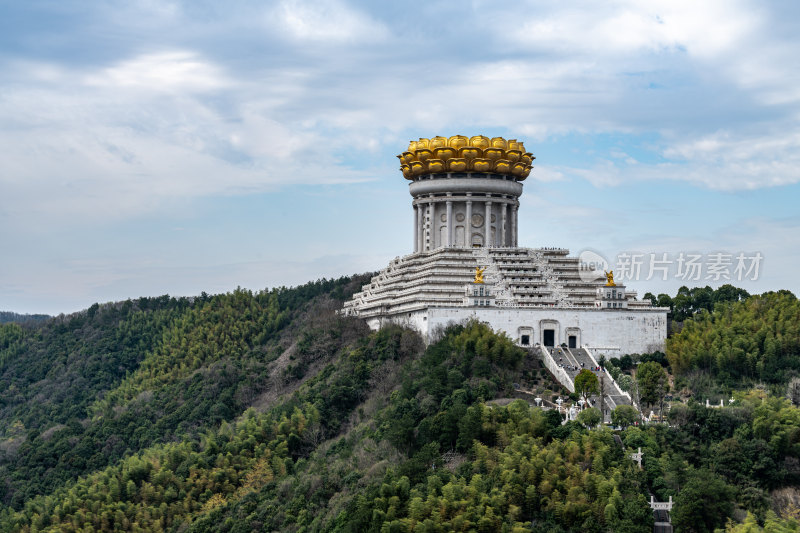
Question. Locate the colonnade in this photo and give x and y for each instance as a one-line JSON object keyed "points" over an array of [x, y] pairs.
{"points": [[428, 226]]}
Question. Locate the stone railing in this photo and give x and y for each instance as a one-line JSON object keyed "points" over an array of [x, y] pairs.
{"points": [[559, 373], [610, 377], [660, 506]]}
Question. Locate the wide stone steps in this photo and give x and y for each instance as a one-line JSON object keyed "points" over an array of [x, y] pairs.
{"points": [[576, 359]]}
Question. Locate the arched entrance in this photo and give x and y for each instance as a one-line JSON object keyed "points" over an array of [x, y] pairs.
{"points": [[550, 332]]}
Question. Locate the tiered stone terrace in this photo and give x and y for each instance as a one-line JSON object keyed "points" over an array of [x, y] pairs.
{"points": [[519, 277]]}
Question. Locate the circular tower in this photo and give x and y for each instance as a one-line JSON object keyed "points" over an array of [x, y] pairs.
{"points": [[466, 190]]}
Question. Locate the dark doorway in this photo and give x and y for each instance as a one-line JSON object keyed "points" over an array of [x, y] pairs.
{"points": [[573, 341], [526, 340], [549, 337]]}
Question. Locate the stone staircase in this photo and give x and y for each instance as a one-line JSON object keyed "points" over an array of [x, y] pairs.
{"points": [[572, 361], [614, 396], [503, 296], [554, 284]]}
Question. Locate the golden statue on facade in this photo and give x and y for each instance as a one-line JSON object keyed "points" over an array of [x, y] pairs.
{"points": [[610, 279], [479, 274]]}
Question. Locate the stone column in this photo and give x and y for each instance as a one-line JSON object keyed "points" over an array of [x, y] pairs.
{"points": [[514, 224], [422, 225], [426, 213], [468, 226], [503, 224], [432, 225], [449, 223], [416, 228], [487, 225]]}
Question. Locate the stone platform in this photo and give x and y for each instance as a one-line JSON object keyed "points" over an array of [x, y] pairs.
{"points": [[535, 295]]}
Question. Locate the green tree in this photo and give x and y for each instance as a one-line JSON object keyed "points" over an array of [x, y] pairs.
{"points": [[703, 504], [624, 416], [625, 382], [652, 381], [586, 383], [772, 524], [590, 417]]}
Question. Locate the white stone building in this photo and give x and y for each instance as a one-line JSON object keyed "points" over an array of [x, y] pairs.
{"points": [[465, 199]]}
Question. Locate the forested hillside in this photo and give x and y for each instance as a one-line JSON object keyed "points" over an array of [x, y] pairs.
{"points": [[741, 342], [270, 412], [82, 391]]}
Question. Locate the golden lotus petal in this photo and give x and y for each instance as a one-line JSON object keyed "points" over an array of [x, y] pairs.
{"points": [[502, 166], [437, 142], [480, 141], [499, 142], [470, 152], [482, 165], [493, 153], [435, 165], [513, 155], [456, 164], [424, 154], [460, 153], [444, 153], [457, 141]]}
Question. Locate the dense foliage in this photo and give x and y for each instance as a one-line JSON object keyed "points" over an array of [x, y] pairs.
{"points": [[270, 412], [455, 463], [757, 339], [81, 392], [688, 301]]}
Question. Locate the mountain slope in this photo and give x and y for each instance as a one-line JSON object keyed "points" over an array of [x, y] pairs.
{"points": [[270, 412], [83, 391]]}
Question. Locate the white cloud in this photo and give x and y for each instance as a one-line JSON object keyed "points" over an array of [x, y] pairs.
{"points": [[730, 161], [704, 29], [177, 71], [326, 21], [733, 165], [127, 138]]}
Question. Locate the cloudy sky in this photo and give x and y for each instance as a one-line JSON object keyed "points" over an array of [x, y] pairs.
{"points": [[151, 147]]}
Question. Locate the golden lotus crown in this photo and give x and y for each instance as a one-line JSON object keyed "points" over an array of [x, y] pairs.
{"points": [[466, 154]]}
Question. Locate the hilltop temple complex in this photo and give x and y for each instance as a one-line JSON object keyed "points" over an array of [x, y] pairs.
{"points": [[467, 264]]}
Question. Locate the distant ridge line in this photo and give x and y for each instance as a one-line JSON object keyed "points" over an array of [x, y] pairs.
{"points": [[9, 316]]}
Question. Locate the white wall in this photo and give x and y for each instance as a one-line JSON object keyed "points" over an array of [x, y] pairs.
{"points": [[622, 330]]}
